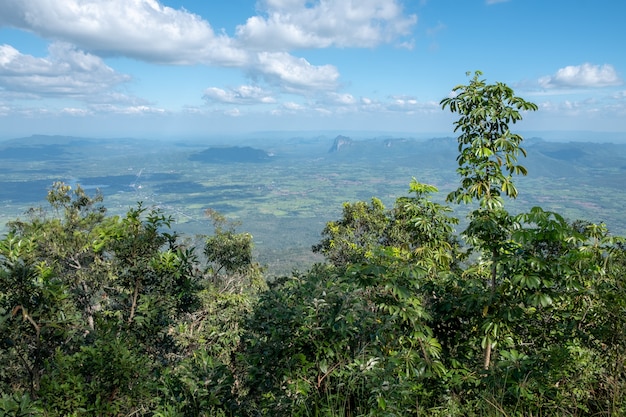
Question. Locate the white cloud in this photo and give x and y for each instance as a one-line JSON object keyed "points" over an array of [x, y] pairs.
{"points": [[411, 105], [404, 101], [341, 99], [290, 105], [142, 29], [582, 108], [322, 111], [585, 75], [90, 110], [346, 103], [66, 71], [126, 110], [408, 45], [295, 24], [490, 2], [245, 94], [83, 31], [141, 110], [149, 31], [232, 113], [295, 75], [72, 111]]}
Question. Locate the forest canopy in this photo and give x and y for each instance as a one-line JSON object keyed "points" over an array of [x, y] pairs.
{"points": [[517, 314]]}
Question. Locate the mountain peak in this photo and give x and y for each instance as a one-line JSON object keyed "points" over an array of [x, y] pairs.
{"points": [[340, 142]]}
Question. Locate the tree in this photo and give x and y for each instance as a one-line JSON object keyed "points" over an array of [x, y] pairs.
{"points": [[416, 228], [343, 341], [488, 152], [424, 229], [359, 330], [226, 250], [538, 287], [353, 238], [486, 144], [88, 304], [50, 280]]}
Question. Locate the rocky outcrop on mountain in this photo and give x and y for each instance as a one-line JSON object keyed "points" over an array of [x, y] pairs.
{"points": [[340, 142]]}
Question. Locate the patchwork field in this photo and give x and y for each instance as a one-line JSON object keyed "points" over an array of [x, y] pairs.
{"points": [[283, 191]]}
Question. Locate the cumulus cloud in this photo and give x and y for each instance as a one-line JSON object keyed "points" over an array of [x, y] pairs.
{"points": [[403, 101], [290, 105], [245, 94], [296, 24], [66, 71], [295, 75], [150, 31], [126, 110], [72, 111], [83, 31], [341, 99], [573, 108], [585, 75], [411, 105], [346, 103], [142, 29]]}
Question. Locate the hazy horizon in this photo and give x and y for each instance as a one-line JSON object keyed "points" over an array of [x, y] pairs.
{"points": [[552, 136]]}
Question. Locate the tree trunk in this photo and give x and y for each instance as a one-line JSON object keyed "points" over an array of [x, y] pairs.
{"points": [[133, 306]]}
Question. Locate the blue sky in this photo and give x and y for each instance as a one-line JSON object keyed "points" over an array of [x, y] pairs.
{"points": [[188, 68]]}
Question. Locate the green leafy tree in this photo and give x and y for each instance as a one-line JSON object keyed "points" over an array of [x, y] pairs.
{"points": [[359, 330], [88, 302], [532, 288], [230, 257], [352, 341], [416, 228], [425, 230], [488, 152], [210, 378], [49, 281], [19, 406], [353, 238]]}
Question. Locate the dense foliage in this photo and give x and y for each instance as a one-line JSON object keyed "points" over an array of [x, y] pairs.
{"points": [[517, 315]]}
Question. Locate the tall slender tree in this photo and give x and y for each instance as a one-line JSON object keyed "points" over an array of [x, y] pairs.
{"points": [[488, 153]]}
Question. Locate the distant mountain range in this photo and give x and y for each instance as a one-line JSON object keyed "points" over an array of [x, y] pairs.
{"points": [[544, 157]]}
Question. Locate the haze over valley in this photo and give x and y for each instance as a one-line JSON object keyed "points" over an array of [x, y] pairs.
{"points": [[284, 190]]}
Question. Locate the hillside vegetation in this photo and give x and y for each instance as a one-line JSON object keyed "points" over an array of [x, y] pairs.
{"points": [[520, 314]]}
